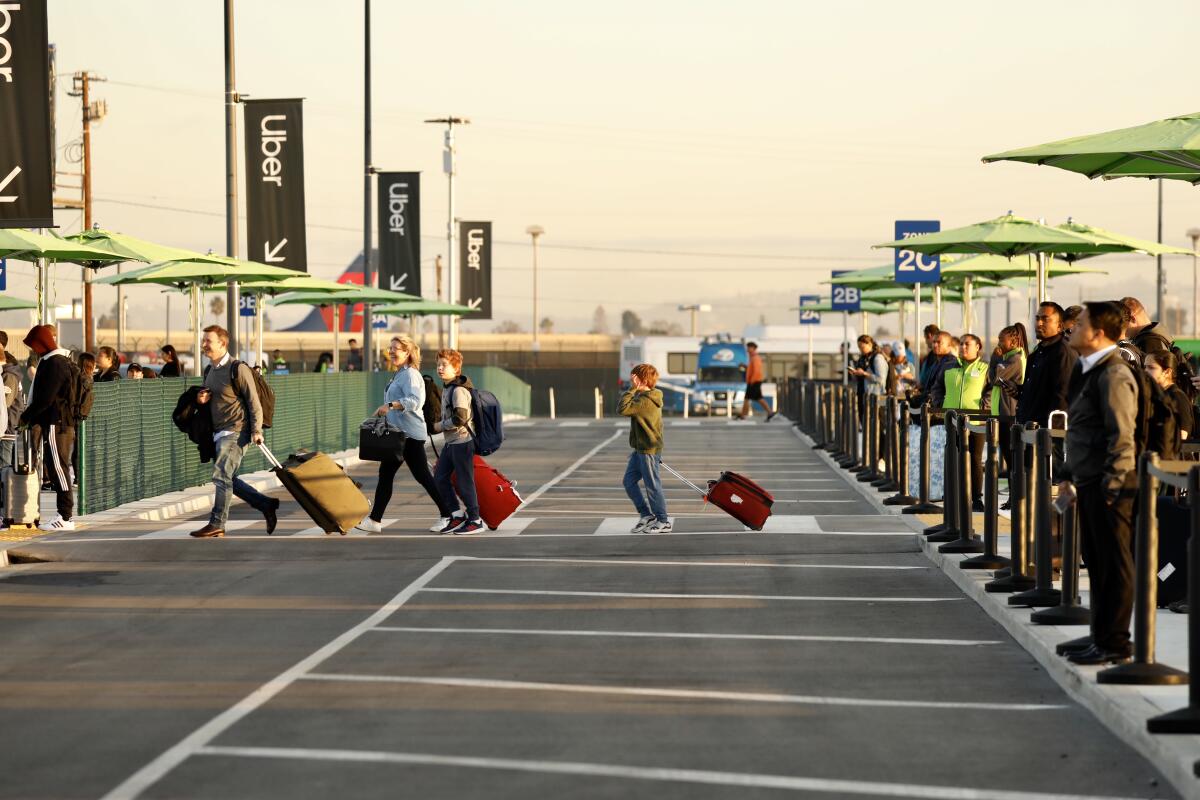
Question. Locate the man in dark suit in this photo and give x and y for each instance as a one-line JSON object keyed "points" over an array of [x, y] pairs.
{"points": [[1101, 476], [1047, 370]]}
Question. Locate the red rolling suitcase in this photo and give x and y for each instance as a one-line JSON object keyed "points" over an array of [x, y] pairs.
{"points": [[498, 496], [738, 496]]}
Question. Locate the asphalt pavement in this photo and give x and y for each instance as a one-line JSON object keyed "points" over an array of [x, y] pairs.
{"points": [[559, 656]]}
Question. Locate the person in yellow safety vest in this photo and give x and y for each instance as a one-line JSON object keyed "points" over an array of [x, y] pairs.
{"points": [[964, 390]]}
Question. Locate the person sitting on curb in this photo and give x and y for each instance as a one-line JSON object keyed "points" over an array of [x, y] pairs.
{"points": [[237, 422]]}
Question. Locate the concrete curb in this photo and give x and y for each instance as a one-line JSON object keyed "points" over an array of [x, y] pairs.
{"points": [[1122, 709]]}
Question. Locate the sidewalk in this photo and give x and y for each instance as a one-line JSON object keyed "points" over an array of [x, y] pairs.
{"points": [[1122, 709]]}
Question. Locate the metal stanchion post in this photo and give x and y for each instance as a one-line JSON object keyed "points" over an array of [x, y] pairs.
{"points": [[1043, 594], [989, 558], [947, 531], [1143, 670], [966, 541], [923, 506], [903, 497], [849, 414], [1015, 579], [870, 460], [886, 410], [1069, 611], [1187, 719]]}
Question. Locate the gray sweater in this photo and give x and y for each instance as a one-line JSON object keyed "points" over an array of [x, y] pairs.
{"points": [[233, 407], [1103, 414]]}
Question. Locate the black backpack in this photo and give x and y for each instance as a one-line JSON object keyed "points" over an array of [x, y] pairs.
{"points": [[266, 395], [69, 404], [1184, 372], [432, 410], [1151, 405]]}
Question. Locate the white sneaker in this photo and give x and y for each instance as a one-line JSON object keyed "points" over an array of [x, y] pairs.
{"points": [[660, 527], [443, 525], [369, 525], [58, 524], [642, 523]]}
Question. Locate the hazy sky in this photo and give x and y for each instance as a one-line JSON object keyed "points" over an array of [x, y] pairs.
{"points": [[791, 130]]}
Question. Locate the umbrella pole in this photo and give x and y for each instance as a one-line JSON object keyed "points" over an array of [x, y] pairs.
{"points": [[846, 346], [968, 310], [937, 305], [810, 352], [917, 321], [258, 323], [337, 325], [1041, 278], [196, 330]]}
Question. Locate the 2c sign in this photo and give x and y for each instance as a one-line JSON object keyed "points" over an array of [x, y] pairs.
{"points": [[911, 266]]}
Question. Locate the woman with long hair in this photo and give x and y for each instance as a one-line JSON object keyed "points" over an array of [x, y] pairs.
{"points": [[1174, 420], [404, 403], [171, 367]]}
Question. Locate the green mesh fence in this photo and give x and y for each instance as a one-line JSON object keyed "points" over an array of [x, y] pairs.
{"points": [[131, 450]]}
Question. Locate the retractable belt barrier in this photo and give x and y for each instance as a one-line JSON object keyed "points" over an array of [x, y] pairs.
{"points": [[923, 505]]}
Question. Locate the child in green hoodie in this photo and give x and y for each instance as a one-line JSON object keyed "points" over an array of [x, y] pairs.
{"points": [[643, 405]]}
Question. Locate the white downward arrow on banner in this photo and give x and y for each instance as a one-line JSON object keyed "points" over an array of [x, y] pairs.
{"points": [[271, 254], [397, 284], [10, 198], [476, 303]]}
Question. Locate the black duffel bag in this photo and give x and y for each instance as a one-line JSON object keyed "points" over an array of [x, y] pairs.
{"points": [[378, 440]]}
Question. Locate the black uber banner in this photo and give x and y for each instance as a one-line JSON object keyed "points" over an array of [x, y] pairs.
{"points": [[399, 197], [26, 185], [275, 232], [475, 267]]}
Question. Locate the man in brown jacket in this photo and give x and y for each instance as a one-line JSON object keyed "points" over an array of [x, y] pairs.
{"points": [[1101, 461]]}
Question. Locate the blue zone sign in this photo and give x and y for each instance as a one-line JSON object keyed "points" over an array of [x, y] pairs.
{"points": [[246, 305], [809, 316], [845, 298], [915, 267]]}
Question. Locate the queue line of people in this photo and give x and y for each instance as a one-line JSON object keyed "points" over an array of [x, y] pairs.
{"points": [[1126, 389]]}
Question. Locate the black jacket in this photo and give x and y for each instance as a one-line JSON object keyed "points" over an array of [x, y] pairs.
{"points": [[1151, 340], [193, 419], [53, 391], [936, 388], [170, 370], [107, 375], [1100, 444], [1047, 377]]}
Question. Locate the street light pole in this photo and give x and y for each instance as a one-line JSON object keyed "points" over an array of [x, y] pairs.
{"points": [[231, 198], [448, 166], [535, 231], [696, 308], [1162, 278], [368, 272], [1194, 235]]}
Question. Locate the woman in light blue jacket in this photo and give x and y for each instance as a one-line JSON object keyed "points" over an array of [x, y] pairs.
{"points": [[403, 406]]}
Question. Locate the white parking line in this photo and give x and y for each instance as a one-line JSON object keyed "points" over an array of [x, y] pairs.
{"points": [[566, 472], [194, 742], [672, 596], [182, 529], [621, 562], [749, 637], [740, 780]]}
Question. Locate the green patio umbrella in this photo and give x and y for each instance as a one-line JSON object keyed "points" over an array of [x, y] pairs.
{"points": [[865, 306], [130, 248], [1133, 244], [210, 270], [350, 294], [10, 303], [25, 245], [1166, 148]]}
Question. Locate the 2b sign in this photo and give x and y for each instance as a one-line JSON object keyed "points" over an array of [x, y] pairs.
{"points": [[845, 298], [912, 267], [247, 305], [809, 316]]}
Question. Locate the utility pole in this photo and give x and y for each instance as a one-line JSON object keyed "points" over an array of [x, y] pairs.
{"points": [[92, 112], [368, 272], [535, 231], [696, 309], [437, 268], [1162, 278], [1194, 235], [448, 166], [231, 198]]}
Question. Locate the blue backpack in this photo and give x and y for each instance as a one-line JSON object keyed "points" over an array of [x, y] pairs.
{"points": [[488, 422]]}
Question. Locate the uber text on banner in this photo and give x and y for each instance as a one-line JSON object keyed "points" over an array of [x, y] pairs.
{"points": [[275, 232], [25, 181], [399, 198], [475, 267]]}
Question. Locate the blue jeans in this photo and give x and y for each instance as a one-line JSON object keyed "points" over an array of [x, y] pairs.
{"points": [[230, 450], [644, 467], [457, 460]]}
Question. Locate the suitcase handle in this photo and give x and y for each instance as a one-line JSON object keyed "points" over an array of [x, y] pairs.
{"points": [[23, 443], [668, 468], [266, 451]]}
